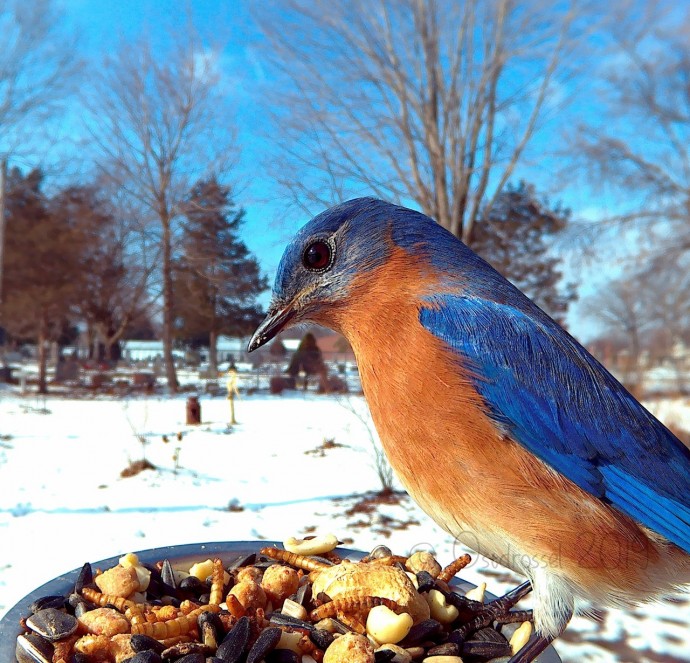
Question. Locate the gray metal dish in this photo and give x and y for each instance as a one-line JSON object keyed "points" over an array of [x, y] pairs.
{"points": [[181, 557]]}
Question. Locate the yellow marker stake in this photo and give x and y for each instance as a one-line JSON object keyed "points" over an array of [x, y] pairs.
{"points": [[231, 384]]}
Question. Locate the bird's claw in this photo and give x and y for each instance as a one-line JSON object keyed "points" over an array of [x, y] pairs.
{"points": [[497, 610]]}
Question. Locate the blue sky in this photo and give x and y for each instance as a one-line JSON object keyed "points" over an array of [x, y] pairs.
{"points": [[103, 26]]}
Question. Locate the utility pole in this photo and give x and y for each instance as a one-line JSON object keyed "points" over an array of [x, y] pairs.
{"points": [[3, 187]]}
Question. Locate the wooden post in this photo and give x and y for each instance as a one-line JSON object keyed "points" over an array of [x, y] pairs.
{"points": [[193, 411]]}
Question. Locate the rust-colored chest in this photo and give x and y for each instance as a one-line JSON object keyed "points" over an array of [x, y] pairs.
{"points": [[430, 419]]}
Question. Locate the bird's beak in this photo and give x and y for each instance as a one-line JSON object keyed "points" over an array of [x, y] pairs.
{"points": [[277, 319]]}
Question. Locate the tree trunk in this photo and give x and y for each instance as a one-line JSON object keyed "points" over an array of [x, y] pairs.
{"points": [[168, 308], [108, 348], [90, 339], [113, 336], [42, 359], [212, 351]]}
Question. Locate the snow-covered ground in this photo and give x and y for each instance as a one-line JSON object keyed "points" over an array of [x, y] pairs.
{"points": [[64, 502]]}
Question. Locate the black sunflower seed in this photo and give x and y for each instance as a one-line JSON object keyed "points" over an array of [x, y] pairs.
{"points": [[56, 602], [52, 624], [235, 642], [266, 642], [84, 578], [141, 643]]}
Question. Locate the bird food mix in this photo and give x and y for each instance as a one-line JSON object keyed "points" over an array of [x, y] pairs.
{"points": [[297, 604]]}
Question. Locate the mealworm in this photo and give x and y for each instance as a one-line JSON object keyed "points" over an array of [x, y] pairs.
{"points": [[456, 565], [217, 582], [173, 627], [349, 603], [294, 559]]}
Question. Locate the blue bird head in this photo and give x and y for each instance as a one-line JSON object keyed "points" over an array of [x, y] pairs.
{"points": [[319, 264]]}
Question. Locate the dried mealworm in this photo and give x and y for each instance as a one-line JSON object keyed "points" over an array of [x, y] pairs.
{"points": [[135, 614], [162, 613], [187, 606], [454, 567], [349, 603], [217, 582], [298, 561], [173, 627], [105, 599]]}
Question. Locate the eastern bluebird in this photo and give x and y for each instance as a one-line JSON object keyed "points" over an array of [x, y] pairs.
{"points": [[501, 426]]}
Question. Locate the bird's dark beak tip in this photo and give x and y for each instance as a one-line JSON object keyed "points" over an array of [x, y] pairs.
{"points": [[255, 342], [274, 322]]}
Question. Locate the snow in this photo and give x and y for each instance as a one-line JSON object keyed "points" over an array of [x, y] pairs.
{"points": [[63, 501]]}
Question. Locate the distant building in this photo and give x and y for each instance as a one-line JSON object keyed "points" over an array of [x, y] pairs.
{"points": [[334, 348], [133, 350], [232, 349]]}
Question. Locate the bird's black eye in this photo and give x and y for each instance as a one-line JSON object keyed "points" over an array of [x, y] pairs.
{"points": [[318, 256]]}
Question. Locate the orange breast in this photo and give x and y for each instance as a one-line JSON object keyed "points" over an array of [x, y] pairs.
{"points": [[478, 484]]}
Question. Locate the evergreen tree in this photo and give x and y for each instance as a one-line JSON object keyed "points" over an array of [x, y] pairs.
{"points": [[217, 279], [307, 359], [514, 236], [42, 274]]}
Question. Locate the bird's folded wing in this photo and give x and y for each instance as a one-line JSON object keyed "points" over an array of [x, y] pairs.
{"points": [[556, 400]]}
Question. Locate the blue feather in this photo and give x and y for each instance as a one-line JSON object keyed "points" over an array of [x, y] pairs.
{"points": [[556, 400]]}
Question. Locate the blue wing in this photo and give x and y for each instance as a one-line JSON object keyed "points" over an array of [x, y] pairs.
{"points": [[556, 400]]}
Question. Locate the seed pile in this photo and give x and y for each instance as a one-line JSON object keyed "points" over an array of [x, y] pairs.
{"points": [[297, 604]]}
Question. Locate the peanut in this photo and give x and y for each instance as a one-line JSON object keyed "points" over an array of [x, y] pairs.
{"points": [[439, 608], [315, 546], [384, 626]]}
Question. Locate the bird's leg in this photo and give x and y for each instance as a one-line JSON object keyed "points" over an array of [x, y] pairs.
{"points": [[532, 649]]}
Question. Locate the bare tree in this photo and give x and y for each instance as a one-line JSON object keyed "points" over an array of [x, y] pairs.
{"points": [[429, 101], [624, 310], [360, 410], [667, 284], [638, 145], [37, 64], [161, 124]]}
